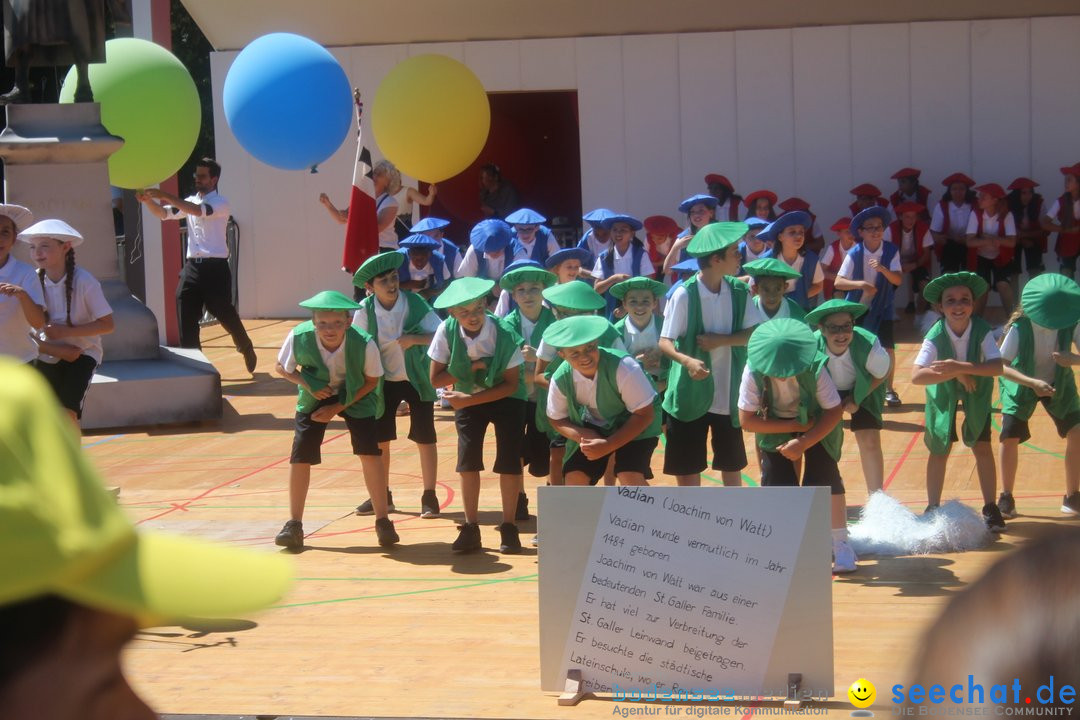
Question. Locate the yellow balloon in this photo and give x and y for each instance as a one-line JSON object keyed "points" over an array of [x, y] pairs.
{"points": [[431, 117]]}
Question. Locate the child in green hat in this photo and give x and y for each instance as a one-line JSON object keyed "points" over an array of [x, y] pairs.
{"points": [[603, 403], [529, 319], [1038, 349], [789, 399], [338, 372], [640, 325], [707, 323], [770, 278], [402, 324], [858, 365], [956, 363], [480, 357]]}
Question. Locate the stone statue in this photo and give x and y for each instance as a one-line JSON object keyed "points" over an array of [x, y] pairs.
{"points": [[55, 32]]}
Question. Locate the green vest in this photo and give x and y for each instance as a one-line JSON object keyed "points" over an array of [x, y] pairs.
{"points": [[609, 402], [417, 362], [607, 340], [687, 399], [513, 321], [317, 375], [862, 342], [942, 398], [1019, 400], [808, 409], [460, 365], [658, 323]]}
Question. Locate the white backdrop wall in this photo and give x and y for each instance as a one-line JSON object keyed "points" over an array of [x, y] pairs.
{"points": [[808, 111]]}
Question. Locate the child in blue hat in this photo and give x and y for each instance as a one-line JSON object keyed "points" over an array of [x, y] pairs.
{"points": [[534, 241], [788, 235], [626, 258], [597, 238], [491, 250], [425, 270], [700, 211], [434, 227]]}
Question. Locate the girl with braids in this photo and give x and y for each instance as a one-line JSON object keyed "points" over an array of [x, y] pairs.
{"points": [[76, 313]]}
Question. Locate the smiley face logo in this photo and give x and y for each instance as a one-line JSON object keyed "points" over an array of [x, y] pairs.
{"points": [[861, 694]]}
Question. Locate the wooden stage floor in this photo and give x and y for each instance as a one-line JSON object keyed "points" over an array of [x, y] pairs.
{"points": [[419, 632]]}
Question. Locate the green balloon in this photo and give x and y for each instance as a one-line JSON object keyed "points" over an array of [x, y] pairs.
{"points": [[148, 98]]}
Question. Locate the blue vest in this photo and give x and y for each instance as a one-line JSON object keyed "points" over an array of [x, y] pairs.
{"points": [[482, 265], [540, 246], [881, 307], [450, 253], [607, 267], [435, 260], [802, 285]]}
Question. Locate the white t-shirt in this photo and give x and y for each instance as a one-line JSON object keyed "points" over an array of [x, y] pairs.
{"points": [[785, 394], [391, 327], [842, 367], [819, 274], [425, 272], [624, 264], [206, 232], [87, 305], [928, 352], [958, 219], [784, 311], [907, 241], [847, 268], [482, 346], [716, 316], [388, 237], [1045, 344], [14, 330], [334, 360], [593, 244], [635, 389], [991, 226], [468, 266], [640, 339], [552, 244]]}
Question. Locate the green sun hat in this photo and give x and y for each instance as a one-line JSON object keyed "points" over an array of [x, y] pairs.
{"points": [[575, 331], [575, 295], [822, 311], [330, 300], [520, 275], [376, 265], [781, 348], [715, 237], [1052, 301], [463, 291], [934, 289], [619, 290], [770, 267]]}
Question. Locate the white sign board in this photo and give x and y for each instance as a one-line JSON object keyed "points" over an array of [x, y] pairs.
{"points": [[723, 591]]}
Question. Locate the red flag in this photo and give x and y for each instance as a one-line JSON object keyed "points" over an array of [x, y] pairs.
{"points": [[362, 228]]}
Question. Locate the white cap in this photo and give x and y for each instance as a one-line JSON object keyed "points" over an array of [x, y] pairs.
{"points": [[52, 228], [22, 217]]}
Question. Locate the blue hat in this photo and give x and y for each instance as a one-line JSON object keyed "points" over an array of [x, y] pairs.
{"points": [[420, 242], [795, 217], [871, 212], [490, 236], [525, 216], [754, 221], [557, 258], [708, 200], [429, 223], [687, 266], [523, 263], [630, 220], [595, 217]]}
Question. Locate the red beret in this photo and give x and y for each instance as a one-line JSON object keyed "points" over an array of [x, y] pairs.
{"points": [[906, 172], [958, 178], [750, 199], [906, 207], [661, 225], [992, 189], [1071, 170], [866, 189], [843, 223], [1023, 183], [795, 203], [717, 178]]}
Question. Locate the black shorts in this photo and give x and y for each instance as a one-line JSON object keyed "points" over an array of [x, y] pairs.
{"points": [[635, 456], [990, 272], [685, 453], [953, 256], [421, 414], [535, 449], [508, 417], [861, 419], [885, 333], [1014, 427], [919, 277], [69, 380], [819, 469], [308, 438], [984, 436]]}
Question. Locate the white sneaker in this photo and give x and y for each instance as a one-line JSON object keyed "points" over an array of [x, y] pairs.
{"points": [[536, 540], [844, 557]]}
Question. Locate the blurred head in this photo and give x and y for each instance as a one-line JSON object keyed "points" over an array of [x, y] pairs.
{"points": [[872, 233], [419, 257], [330, 326], [639, 304], [722, 262], [1072, 185], [762, 208], [471, 315], [701, 215], [529, 295], [838, 329], [792, 238], [622, 233], [7, 236], [386, 177], [719, 191], [526, 233], [583, 358], [958, 193], [567, 270], [385, 287], [207, 174], [770, 290], [908, 185]]}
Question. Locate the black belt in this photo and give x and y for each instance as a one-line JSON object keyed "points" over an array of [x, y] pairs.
{"points": [[198, 260]]}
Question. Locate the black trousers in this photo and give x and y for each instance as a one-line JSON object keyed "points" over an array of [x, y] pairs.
{"points": [[207, 282]]}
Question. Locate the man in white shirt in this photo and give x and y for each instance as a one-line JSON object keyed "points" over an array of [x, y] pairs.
{"points": [[206, 280]]}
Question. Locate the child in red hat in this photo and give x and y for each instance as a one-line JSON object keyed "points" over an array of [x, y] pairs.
{"points": [[660, 234], [762, 204], [727, 201], [991, 237], [834, 255], [866, 195], [1064, 219], [1026, 207], [949, 222], [908, 190], [911, 233]]}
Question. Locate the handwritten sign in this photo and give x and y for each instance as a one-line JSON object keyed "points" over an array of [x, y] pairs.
{"points": [[714, 589]]}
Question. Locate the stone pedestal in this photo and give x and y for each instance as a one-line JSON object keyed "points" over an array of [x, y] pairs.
{"points": [[55, 163]]}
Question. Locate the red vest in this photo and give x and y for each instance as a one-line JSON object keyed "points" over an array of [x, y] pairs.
{"points": [[1005, 255], [837, 260], [922, 196], [896, 232], [1068, 244], [734, 202]]}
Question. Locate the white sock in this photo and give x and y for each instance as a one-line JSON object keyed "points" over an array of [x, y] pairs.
{"points": [[839, 535]]}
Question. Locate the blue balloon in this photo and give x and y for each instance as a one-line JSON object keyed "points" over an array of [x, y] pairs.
{"points": [[287, 101]]}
